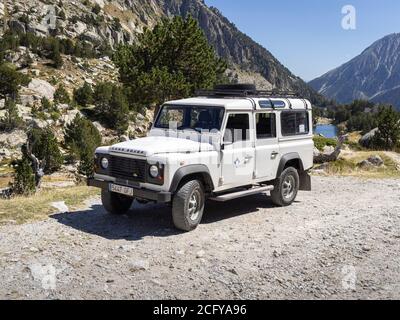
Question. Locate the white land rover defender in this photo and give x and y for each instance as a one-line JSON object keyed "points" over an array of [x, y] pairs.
{"points": [[225, 144]]}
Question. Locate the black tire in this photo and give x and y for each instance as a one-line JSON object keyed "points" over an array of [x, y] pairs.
{"points": [[184, 217], [115, 203], [284, 196]]}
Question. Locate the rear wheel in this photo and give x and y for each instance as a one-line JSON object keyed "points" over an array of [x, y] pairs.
{"points": [[188, 206], [115, 203], [286, 188]]}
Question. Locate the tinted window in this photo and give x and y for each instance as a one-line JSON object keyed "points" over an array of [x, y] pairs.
{"points": [[238, 128], [266, 125], [294, 123]]}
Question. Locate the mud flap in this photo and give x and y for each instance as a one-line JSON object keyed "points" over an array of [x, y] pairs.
{"points": [[305, 181]]}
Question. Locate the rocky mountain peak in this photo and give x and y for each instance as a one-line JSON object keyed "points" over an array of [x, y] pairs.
{"points": [[373, 75]]}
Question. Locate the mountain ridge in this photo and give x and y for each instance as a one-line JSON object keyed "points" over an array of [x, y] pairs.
{"points": [[94, 21], [372, 75]]}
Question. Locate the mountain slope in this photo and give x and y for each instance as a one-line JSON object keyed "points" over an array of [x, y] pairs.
{"points": [[94, 21], [373, 75]]}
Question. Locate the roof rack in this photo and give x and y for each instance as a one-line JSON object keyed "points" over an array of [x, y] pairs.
{"points": [[243, 91]]}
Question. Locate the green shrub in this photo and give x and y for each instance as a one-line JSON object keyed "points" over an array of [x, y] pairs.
{"points": [[84, 95], [11, 120], [61, 95], [24, 179], [321, 142]]}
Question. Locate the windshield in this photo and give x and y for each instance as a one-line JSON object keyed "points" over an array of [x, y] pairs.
{"points": [[190, 118]]}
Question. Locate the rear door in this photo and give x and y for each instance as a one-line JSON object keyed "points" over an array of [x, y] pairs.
{"points": [[267, 146]]}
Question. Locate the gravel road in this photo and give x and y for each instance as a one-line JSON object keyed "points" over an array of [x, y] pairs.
{"points": [[341, 241]]}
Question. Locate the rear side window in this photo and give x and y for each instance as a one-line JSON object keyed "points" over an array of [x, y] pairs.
{"points": [[266, 125], [295, 123]]}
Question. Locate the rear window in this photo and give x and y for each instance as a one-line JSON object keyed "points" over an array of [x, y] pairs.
{"points": [[295, 123]]}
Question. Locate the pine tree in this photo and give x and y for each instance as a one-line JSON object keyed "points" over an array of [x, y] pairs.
{"points": [[83, 96], [11, 120], [11, 81], [24, 179], [171, 61], [56, 55], [81, 139], [61, 95], [45, 147], [388, 135], [112, 106]]}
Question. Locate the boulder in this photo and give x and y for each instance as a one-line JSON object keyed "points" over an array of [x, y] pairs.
{"points": [[317, 153], [17, 26], [70, 116], [79, 27], [372, 162], [42, 88], [5, 153], [366, 140], [40, 124], [328, 150], [91, 37], [376, 161], [2, 103], [14, 139]]}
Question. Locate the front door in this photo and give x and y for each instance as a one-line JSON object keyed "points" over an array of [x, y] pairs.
{"points": [[267, 146], [238, 154]]}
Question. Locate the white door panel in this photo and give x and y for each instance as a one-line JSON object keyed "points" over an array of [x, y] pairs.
{"points": [[238, 164], [267, 158]]}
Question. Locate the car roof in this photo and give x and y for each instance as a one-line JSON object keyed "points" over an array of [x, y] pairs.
{"points": [[246, 104]]}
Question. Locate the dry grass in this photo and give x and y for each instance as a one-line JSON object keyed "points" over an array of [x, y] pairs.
{"points": [[347, 165], [25, 209]]}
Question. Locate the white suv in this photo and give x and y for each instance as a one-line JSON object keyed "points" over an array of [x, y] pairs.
{"points": [[227, 143]]}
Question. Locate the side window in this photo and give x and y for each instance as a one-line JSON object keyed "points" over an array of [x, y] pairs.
{"points": [[266, 125], [237, 128], [295, 123]]}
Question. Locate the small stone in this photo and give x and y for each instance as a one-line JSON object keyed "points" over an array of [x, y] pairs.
{"points": [[139, 265], [200, 254]]}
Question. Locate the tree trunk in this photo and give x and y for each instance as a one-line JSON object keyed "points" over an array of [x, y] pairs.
{"points": [[323, 158]]}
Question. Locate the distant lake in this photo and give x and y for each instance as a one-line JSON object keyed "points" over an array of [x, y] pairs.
{"points": [[327, 130]]}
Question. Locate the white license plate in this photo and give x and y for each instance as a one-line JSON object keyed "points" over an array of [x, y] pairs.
{"points": [[121, 190]]}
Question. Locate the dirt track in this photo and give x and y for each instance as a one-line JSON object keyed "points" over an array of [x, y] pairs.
{"points": [[340, 241]]}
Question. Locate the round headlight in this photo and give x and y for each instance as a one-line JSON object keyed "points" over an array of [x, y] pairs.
{"points": [[154, 171], [104, 163]]}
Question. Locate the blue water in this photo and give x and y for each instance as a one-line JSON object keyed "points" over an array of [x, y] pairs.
{"points": [[327, 130]]}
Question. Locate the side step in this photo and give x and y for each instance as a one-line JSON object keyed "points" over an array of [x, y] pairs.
{"points": [[242, 194]]}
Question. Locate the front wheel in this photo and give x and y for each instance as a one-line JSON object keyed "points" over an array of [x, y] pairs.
{"points": [[115, 203], [188, 206], [286, 188]]}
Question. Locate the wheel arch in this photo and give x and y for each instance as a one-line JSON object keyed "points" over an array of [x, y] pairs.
{"points": [[290, 160], [294, 160], [192, 172]]}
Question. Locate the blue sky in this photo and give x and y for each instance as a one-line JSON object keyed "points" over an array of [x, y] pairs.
{"points": [[307, 35]]}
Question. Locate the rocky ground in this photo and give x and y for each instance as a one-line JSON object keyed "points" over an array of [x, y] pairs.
{"points": [[340, 241]]}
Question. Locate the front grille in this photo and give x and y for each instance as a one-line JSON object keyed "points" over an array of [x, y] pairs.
{"points": [[128, 169]]}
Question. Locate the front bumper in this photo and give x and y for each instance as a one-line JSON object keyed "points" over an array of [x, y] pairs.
{"points": [[159, 197]]}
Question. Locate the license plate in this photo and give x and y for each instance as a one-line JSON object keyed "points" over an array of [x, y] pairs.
{"points": [[121, 190]]}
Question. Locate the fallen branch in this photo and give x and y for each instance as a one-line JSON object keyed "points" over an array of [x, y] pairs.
{"points": [[323, 158]]}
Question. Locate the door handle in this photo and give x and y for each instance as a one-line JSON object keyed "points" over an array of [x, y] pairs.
{"points": [[274, 154], [247, 159]]}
